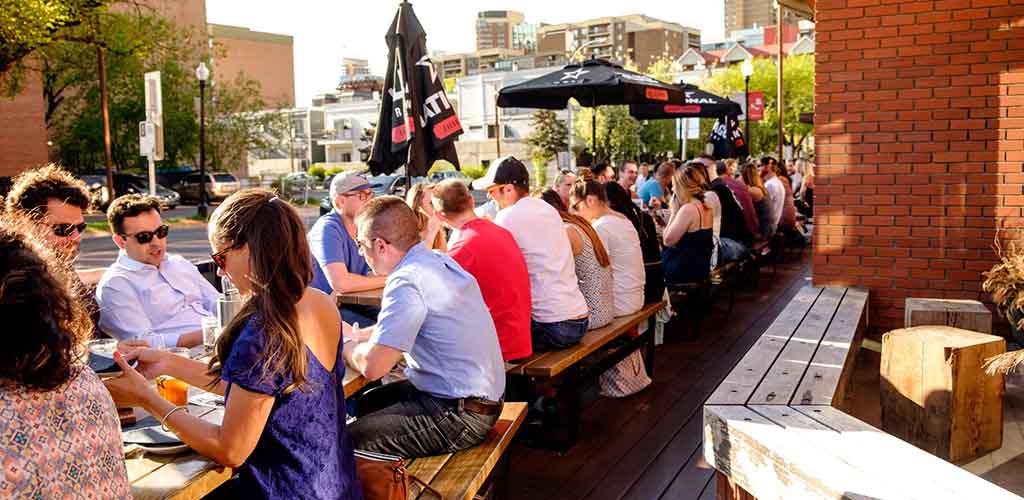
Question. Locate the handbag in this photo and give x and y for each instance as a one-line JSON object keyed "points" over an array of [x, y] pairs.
{"points": [[384, 477], [626, 378]]}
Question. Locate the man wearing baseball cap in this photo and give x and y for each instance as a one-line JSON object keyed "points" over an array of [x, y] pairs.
{"points": [[337, 265], [559, 314]]}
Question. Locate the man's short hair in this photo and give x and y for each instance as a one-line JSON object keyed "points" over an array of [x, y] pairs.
{"points": [[32, 189], [622, 168], [130, 205], [721, 167], [666, 169], [452, 197], [765, 160], [391, 220]]}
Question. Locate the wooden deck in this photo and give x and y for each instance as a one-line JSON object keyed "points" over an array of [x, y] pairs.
{"points": [[649, 446]]}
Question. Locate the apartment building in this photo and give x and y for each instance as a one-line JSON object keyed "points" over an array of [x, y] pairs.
{"points": [[637, 38], [267, 58]]}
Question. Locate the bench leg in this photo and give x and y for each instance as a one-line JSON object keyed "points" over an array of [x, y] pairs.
{"points": [[571, 393], [652, 323]]}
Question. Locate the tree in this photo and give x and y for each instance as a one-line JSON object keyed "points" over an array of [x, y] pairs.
{"points": [[548, 136], [798, 78], [26, 25], [234, 126]]}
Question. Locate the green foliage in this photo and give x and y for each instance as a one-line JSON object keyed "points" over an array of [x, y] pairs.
{"points": [[474, 171], [26, 25], [335, 170], [441, 166], [798, 79], [618, 133], [317, 170], [539, 179], [548, 136], [135, 44]]}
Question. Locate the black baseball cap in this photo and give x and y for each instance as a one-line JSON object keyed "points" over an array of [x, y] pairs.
{"points": [[505, 170]]}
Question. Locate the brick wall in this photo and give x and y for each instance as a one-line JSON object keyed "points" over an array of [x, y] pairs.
{"points": [[271, 64], [23, 128], [919, 126]]}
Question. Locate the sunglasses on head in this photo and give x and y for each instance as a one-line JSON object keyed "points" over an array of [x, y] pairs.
{"points": [[65, 230], [144, 237]]}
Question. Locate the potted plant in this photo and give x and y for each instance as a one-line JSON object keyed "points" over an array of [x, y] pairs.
{"points": [[1005, 283]]}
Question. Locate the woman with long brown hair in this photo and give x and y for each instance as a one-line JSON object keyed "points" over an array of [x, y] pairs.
{"points": [[759, 195], [55, 414], [278, 363], [431, 229], [593, 266], [689, 236]]}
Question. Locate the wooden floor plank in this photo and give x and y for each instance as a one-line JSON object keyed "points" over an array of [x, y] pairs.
{"points": [[613, 453], [833, 362]]}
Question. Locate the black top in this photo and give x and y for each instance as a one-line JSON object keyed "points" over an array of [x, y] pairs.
{"points": [[734, 226]]}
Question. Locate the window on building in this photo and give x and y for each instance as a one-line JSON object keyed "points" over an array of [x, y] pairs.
{"points": [[490, 131]]}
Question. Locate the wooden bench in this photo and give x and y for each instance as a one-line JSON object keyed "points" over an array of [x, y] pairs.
{"points": [[775, 427], [459, 476], [564, 363]]}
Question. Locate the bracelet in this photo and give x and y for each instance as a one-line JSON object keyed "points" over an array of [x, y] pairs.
{"points": [[163, 421]]}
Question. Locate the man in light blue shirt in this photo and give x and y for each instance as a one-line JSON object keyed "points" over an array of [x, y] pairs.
{"points": [[433, 315], [337, 265], [146, 290], [656, 188]]}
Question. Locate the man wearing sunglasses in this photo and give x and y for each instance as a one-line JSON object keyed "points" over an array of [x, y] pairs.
{"points": [[146, 290], [338, 266]]}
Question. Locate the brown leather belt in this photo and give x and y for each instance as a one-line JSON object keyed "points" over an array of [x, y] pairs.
{"points": [[482, 406]]}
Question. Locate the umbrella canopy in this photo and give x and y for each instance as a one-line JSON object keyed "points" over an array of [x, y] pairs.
{"points": [[593, 83], [694, 103], [417, 124]]}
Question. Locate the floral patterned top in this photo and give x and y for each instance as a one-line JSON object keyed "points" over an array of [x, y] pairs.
{"points": [[64, 443]]}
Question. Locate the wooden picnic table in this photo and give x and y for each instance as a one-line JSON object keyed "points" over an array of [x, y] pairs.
{"points": [[190, 475], [364, 298]]}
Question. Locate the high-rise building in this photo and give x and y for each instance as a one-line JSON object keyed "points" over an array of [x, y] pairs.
{"points": [[637, 38], [746, 14], [494, 28]]}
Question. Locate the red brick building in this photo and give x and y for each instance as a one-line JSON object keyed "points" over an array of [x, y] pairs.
{"points": [[919, 125], [23, 128], [267, 58]]}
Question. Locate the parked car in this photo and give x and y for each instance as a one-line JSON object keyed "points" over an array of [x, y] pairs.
{"points": [[218, 186], [126, 184], [294, 184], [448, 174]]}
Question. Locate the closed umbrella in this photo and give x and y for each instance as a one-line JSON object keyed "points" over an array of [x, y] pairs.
{"points": [[417, 124], [593, 83]]}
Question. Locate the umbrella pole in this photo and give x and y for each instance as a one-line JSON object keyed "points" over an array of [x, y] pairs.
{"points": [[593, 135]]}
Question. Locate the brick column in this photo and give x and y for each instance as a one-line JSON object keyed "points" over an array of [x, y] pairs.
{"points": [[919, 128]]}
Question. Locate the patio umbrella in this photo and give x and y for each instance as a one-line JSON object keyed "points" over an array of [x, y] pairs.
{"points": [[695, 103], [417, 124], [727, 138], [593, 83]]}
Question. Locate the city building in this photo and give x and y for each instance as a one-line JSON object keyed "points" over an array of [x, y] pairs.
{"points": [[267, 58], [743, 14], [635, 38], [494, 29]]}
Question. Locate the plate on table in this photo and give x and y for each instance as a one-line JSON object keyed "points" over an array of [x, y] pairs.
{"points": [[105, 365], [164, 450]]}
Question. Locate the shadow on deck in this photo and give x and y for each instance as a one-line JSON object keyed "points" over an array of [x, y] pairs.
{"points": [[649, 445]]}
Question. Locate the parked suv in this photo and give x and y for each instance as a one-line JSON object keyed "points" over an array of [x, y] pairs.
{"points": [[126, 184], [218, 186]]}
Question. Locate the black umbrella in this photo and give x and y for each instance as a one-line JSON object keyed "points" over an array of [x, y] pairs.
{"points": [[417, 124], [593, 83], [727, 138], [694, 103]]}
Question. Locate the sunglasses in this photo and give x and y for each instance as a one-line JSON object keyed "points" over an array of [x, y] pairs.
{"points": [[144, 237], [65, 230]]}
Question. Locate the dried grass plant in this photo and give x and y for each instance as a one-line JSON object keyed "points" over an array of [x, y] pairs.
{"points": [[1005, 283]]}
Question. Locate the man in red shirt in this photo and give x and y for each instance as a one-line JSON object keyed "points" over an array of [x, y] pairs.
{"points": [[490, 253]]}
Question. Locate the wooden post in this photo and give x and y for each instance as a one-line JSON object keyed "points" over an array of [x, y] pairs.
{"points": [[935, 393], [727, 489], [966, 314]]}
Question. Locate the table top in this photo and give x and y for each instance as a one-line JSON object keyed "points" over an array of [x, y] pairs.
{"points": [[364, 298], [190, 475]]}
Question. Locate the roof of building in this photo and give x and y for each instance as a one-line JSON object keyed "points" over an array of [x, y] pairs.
{"points": [[243, 33]]}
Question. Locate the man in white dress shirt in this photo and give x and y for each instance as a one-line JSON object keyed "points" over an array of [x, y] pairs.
{"points": [[146, 291]]}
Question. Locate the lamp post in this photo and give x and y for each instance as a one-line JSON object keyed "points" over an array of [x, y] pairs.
{"points": [[747, 68], [202, 74]]}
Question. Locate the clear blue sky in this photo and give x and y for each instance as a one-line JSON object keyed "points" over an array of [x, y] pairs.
{"points": [[325, 31]]}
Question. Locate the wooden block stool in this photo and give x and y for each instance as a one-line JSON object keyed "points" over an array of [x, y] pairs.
{"points": [[935, 394], [966, 314]]}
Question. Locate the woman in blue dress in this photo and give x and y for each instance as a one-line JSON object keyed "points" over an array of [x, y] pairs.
{"points": [[278, 364]]}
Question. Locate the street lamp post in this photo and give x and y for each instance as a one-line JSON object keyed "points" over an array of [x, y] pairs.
{"points": [[203, 74], [747, 68]]}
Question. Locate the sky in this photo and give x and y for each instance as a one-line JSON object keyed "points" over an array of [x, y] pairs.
{"points": [[325, 31]]}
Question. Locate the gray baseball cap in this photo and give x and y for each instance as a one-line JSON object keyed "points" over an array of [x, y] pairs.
{"points": [[348, 181]]}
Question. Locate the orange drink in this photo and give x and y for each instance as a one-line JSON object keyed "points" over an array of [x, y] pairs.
{"points": [[173, 390]]}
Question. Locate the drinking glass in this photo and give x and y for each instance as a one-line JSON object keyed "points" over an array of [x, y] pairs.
{"points": [[155, 341], [102, 347], [211, 331], [170, 388]]}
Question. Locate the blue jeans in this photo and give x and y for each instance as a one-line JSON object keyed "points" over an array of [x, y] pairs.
{"points": [[557, 335], [731, 250]]}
